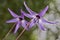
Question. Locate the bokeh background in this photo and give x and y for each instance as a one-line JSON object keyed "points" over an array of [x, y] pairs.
{"points": [[53, 14]]}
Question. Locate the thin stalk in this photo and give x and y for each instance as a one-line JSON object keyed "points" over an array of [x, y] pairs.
{"points": [[9, 32], [22, 31]]}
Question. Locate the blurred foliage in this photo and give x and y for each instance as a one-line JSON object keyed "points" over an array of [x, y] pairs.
{"points": [[16, 5]]}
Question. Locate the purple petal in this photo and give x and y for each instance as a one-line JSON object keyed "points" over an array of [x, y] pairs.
{"points": [[17, 27], [12, 13], [41, 26], [22, 15], [11, 21], [33, 22], [29, 10], [42, 13], [24, 24], [25, 14], [49, 22]]}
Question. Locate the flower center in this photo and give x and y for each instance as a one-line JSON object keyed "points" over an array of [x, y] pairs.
{"points": [[38, 16], [20, 18]]}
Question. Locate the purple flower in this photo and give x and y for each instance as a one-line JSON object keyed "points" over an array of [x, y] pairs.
{"points": [[19, 20], [36, 18]]}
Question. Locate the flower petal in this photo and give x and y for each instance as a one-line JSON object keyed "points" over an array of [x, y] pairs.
{"points": [[32, 23], [12, 13], [17, 27], [48, 22], [25, 14], [29, 10], [11, 21], [24, 24], [22, 15], [42, 13], [41, 26]]}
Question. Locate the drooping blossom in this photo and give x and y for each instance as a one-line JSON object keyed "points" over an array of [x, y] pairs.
{"points": [[19, 20], [36, 18]]}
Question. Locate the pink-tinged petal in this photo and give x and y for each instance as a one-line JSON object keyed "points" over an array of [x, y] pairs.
{"points": [[17, 27], [41, 26], [11, 21], [12, 13], [32, 23], [24, 24], [43, 20], [25, 14], [29, 10], [42, 13]]}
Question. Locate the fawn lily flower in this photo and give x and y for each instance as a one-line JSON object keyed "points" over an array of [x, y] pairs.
{"points": [[19, 20], [36, 18]]}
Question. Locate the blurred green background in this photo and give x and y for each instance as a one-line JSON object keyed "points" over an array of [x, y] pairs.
{"points": [[16, 5]]}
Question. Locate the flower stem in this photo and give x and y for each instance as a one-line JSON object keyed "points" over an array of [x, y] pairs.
{"points": [[9, 32], [22, 31]]}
